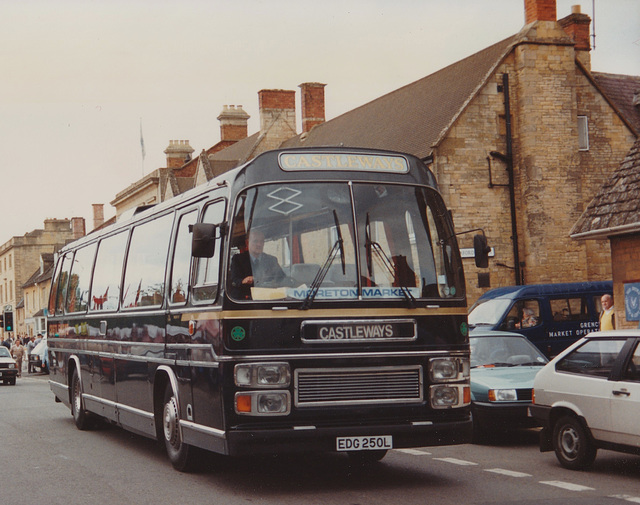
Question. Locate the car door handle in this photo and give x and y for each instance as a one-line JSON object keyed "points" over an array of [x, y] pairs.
{"points": [[621, 393]]}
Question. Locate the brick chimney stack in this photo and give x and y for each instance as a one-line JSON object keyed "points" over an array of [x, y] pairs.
{"points": [[178, 153], [312, 103], [98, 215], [77, 227], [577, 25], [277, 116], [539, 10], [233, 123]]}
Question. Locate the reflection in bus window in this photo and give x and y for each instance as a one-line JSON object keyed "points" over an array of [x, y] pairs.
{"points": [[182, 259], [208, 269], [63, 282], [105, 290], [403, 243], [146, 260], [80, 279]]}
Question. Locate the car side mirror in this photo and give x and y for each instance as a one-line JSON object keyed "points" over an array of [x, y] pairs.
{"points": [[203, 240]]}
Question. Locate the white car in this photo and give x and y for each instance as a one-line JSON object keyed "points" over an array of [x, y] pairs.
{"points": [[588, 397]]}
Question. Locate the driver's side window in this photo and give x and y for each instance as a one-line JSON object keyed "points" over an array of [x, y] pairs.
{"points": [[523, 314]]}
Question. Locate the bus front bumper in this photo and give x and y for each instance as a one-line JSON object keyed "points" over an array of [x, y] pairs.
{"points": [[325, 439]]}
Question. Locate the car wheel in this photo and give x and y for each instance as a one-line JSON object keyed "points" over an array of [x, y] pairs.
{"points": [[80, 416], [572, 445], [181, 455]]}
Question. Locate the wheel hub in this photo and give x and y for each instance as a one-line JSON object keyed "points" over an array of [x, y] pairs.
{"points": [[170, 421]]}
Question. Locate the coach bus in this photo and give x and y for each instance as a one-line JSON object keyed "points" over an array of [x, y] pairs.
{"points": [[350, 335]]}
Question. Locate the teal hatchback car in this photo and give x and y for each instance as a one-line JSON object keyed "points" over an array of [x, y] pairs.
{"points": [[503, 366]]}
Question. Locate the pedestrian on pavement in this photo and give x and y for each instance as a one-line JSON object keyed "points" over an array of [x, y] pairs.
{"points": [[607, 317], [17, 351], [30, 346]]}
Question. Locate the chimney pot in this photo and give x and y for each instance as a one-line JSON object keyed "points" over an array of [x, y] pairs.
{"points": [[177, 152], [233, 123]]}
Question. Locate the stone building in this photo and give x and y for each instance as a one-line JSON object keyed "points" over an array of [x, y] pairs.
{"points": [[614, 215], [36, 297], [520, 136], [20, 257]]}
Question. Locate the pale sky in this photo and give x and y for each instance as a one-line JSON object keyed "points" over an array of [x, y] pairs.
{"points": [[80, 76]]}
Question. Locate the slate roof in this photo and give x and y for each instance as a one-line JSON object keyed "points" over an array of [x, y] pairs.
{"points": [[415, 117], [615, 210], [621, 90]]}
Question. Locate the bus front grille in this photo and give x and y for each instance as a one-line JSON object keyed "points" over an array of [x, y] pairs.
{"points": [[316, 387]]}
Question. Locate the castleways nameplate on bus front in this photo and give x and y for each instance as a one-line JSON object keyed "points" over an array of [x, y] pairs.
{"points": [[330, 331], [358, 162]]}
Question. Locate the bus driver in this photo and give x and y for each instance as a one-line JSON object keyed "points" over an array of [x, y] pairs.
{"points": [[254, 267]]}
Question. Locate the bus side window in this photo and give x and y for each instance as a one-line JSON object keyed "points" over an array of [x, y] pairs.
{"points": [[61, 282], [208, 269], [182, 259], [105, 288], [146, 261], [80, 279]]}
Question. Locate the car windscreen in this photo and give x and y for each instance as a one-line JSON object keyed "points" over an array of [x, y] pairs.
{"points": [[4, 352], [504, 351], [488, 312]]}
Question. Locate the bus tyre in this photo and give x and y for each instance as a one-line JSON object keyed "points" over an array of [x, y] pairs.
{"points": [[572, 445], [80, 416], [180, 454]]}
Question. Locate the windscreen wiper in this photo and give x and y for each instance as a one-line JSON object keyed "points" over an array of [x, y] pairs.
{"points": [[372, 246], [338, 247]]}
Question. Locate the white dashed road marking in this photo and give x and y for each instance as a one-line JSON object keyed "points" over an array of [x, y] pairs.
{"points": [[455, 461], [508, 473], [415, 452], [567, 485], [626, 497]]}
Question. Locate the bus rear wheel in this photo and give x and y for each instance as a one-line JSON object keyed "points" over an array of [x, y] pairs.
{"points": [[181, 455]]}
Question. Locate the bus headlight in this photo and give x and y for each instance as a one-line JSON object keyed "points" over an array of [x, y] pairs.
{"points": [[263, 403], [448, 369], [262, 375], [444, 396]]}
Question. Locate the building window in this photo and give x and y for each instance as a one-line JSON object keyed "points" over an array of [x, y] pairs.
{"points": [[583, 133]]}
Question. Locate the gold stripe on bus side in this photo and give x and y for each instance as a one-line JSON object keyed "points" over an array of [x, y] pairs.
{"points": [[335, 313]]}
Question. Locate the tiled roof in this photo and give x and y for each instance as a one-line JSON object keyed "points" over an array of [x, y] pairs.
{"points": [[419, 113], [621, 90], [615, 210]]}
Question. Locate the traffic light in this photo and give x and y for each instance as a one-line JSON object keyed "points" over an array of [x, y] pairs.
{"points": [[8, 321]]}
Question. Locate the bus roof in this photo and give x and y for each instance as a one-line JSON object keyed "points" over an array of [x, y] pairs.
{"points": [[267, 167]]}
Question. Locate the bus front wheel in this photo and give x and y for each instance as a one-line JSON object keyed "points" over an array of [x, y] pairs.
{"points": [[80, 416], [180, 454]]}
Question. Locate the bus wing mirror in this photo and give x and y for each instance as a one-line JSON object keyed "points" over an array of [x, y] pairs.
{"points": [[481, 251], [203, 240]]}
